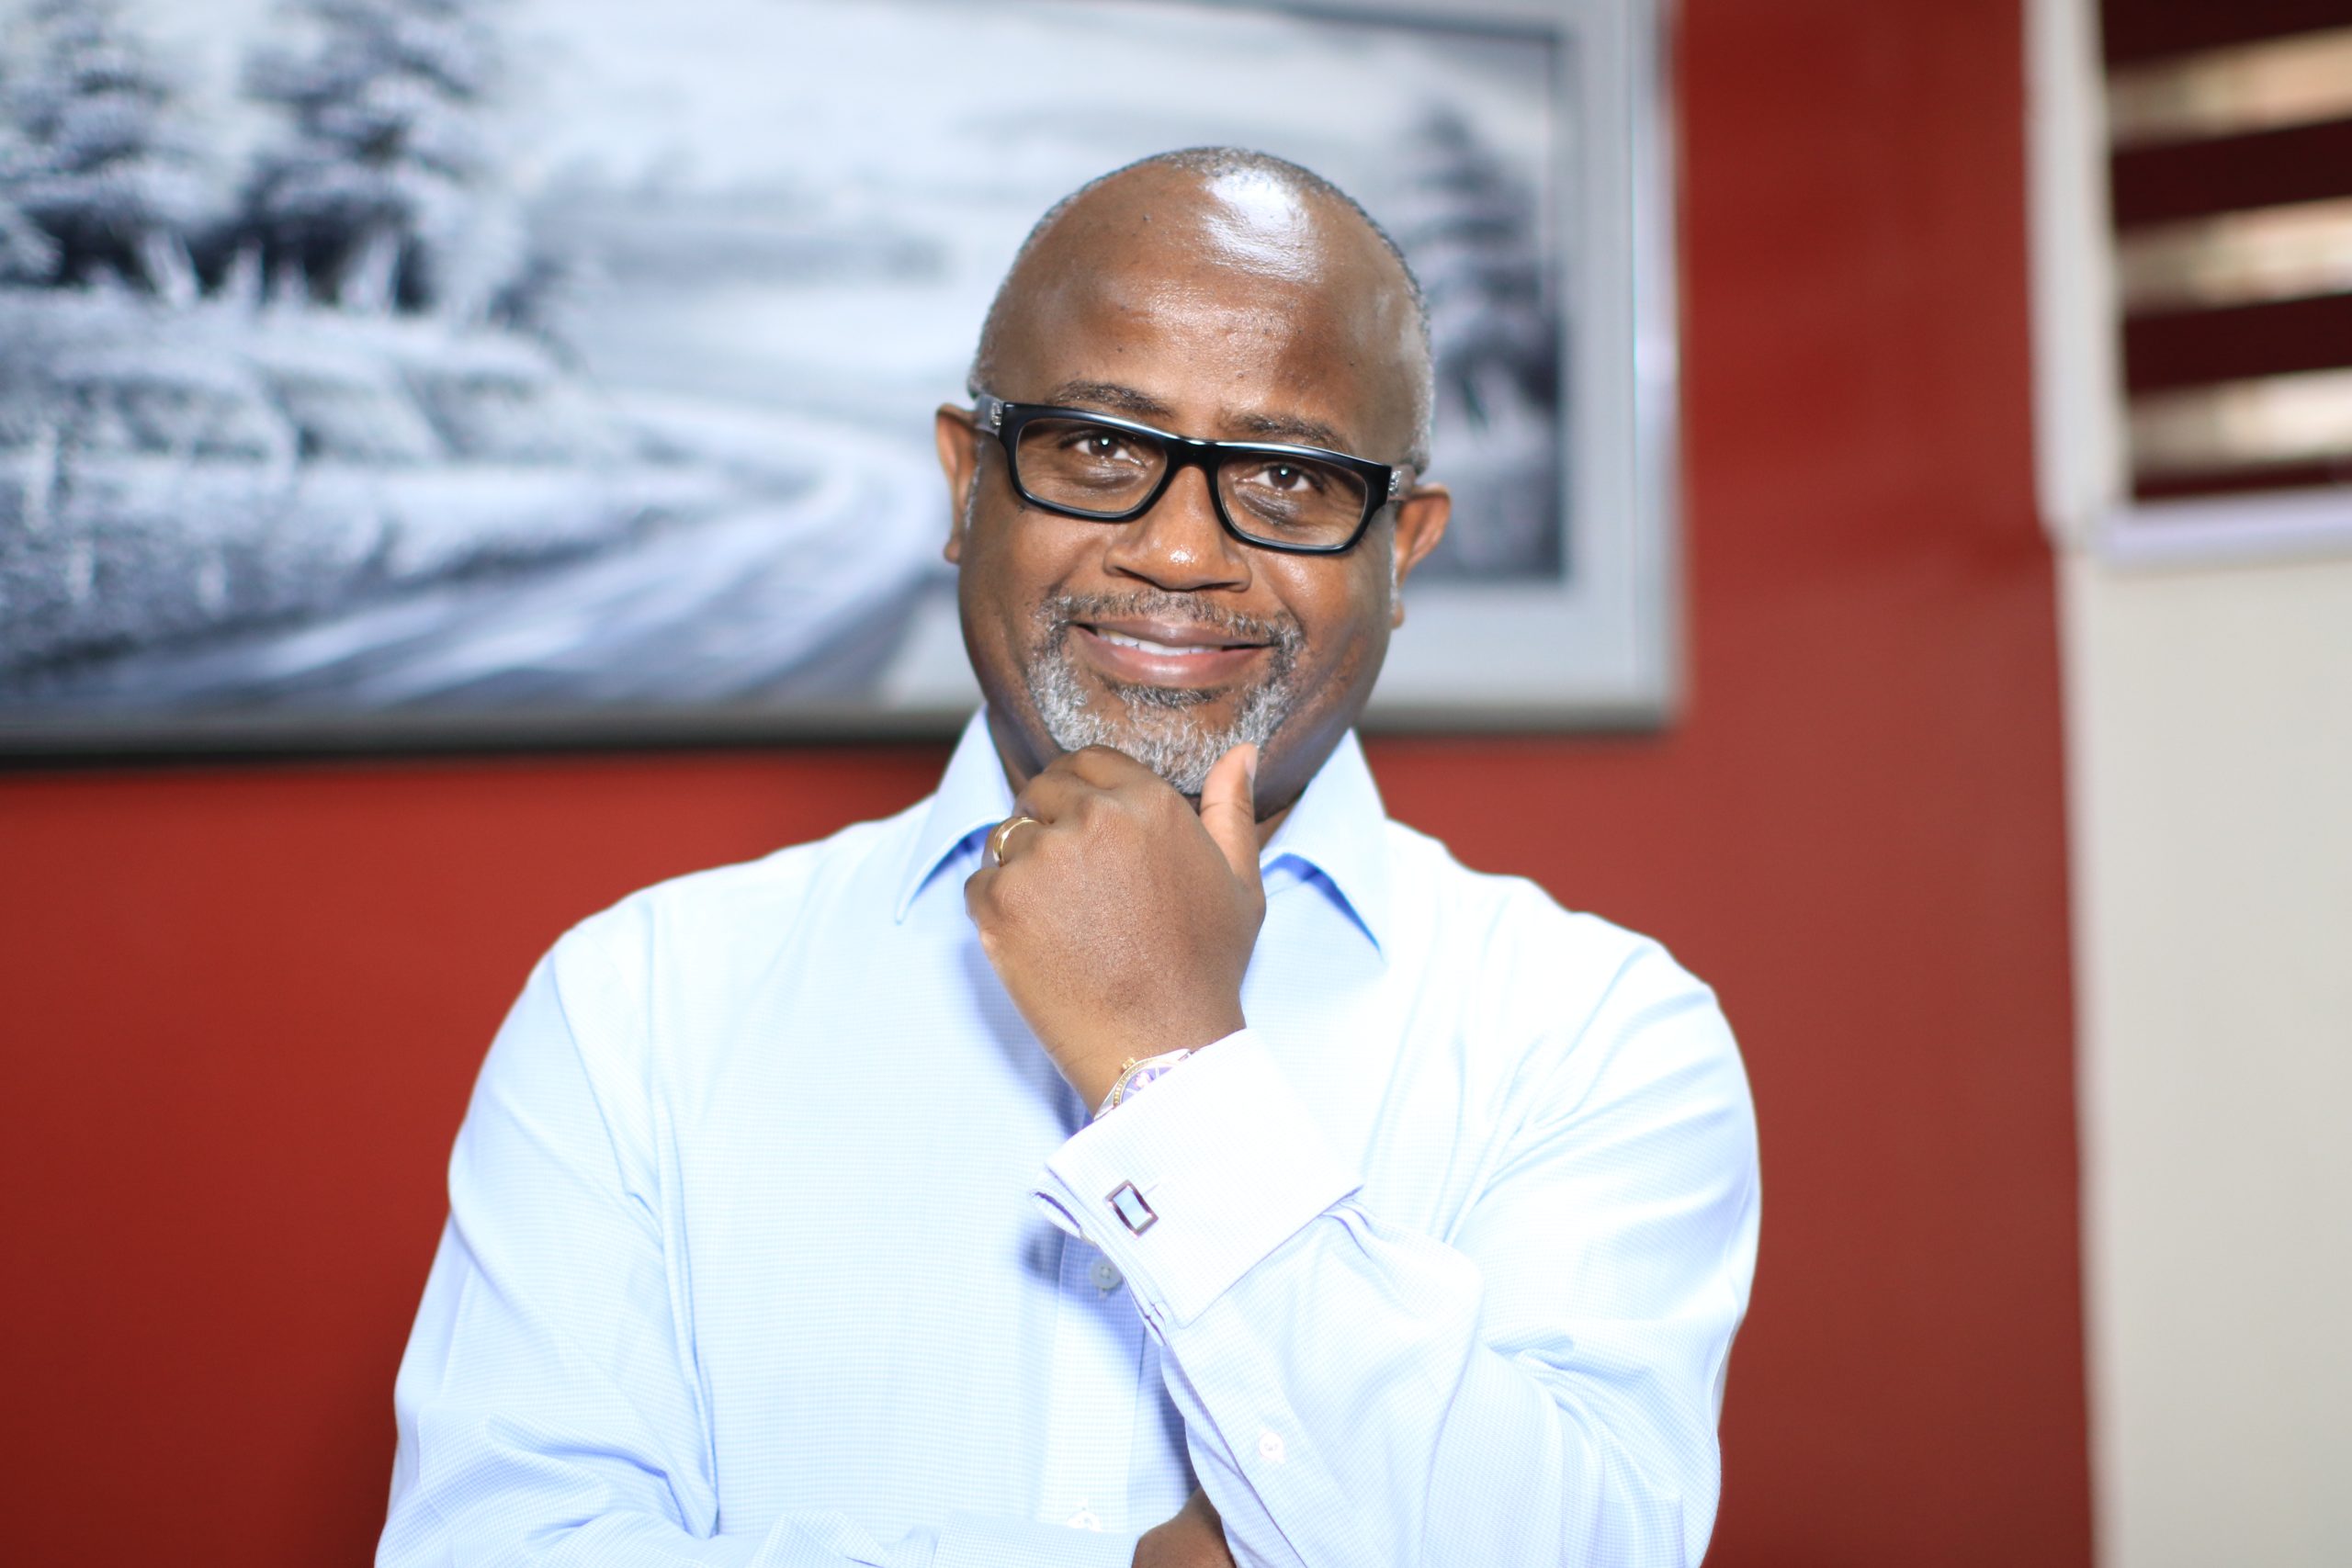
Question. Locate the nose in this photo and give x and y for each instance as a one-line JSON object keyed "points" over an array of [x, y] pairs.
{"points": [[1179, 544]]}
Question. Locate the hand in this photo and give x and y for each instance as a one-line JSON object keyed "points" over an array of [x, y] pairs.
{"points": [[1121, 924], [1193, 1539]]}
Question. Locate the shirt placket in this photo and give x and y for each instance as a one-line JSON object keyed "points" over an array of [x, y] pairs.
{"points": [[1098, 1367]]}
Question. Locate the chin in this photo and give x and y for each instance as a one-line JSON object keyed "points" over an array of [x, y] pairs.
{"points": [[1179, 732]]}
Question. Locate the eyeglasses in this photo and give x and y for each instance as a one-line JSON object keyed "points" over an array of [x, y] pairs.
{"points": [[1302, 499]]}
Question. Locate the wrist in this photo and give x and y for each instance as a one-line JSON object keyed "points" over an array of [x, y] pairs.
{"points": [[1137, 1073], [1092, 1082], [1094, 1073]]}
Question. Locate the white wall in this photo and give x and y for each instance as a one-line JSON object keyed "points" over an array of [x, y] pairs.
{"points": [[2210, 730]]}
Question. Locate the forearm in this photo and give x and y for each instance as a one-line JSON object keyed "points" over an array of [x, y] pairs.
{"points": [[509, 1528], [514, 1449], [1407, 1438], [550, 1408], [1540, 1392]]}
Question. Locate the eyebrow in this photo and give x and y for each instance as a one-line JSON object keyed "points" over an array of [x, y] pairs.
{"points": [[1111, 396]]}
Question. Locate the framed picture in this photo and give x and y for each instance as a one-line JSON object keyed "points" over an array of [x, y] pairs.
{"points": [[396, 373]]}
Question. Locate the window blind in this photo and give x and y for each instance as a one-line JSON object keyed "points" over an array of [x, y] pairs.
{"points": [[2229, 171]]}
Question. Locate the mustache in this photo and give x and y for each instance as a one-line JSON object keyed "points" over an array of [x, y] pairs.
{"points": [[1058, 614]]}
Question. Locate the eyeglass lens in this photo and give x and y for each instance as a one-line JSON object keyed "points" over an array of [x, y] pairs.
{"points": [[1103, 470]]}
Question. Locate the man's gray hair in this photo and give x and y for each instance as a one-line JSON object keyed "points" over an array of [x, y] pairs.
{"points": [[1212, 163]]}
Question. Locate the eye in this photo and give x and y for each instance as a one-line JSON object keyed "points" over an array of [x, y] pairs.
{"points": [[1100, 444], [1288, 479]]}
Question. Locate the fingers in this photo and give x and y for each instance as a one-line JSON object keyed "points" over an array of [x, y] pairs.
{"points": [[976, 889], [1102, 767], [1054, 793], [1229, 811], [999, 838], [1061, 794]]}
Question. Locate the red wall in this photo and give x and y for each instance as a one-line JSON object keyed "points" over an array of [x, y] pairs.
{"points": [[244, 1005]]}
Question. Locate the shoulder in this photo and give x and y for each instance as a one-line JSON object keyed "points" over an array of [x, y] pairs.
{"points": [[631, 994], [706, 929], [1570, 995], [1507, 923]]}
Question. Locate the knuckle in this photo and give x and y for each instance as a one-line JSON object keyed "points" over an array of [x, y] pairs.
{"points": [[1103, 762], [984, 892]]}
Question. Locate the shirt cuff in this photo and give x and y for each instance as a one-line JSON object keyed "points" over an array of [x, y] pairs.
{"points": [[972, 1541], [1194, 1182]]}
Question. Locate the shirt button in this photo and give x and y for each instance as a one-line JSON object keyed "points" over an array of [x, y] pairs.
{"points": [[1270, 1446], [1106, 1275], [1084, 1519]]}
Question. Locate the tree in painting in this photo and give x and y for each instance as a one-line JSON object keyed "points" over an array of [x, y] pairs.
{"points": [[27, 253], [1472, 242], [1469, 224], [380, 196], [94, 157]]}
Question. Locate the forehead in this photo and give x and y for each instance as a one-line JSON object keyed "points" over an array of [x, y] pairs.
{"points": [[1230, 300]]}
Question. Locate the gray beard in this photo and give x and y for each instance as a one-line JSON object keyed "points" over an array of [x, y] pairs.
{"points": [[1161, 726]]}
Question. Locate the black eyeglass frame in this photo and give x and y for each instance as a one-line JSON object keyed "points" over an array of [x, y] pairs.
{"points": [[1384, 482]]}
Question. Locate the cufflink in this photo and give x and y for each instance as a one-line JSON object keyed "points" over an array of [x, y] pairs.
{"points": [[1132, 1211]]}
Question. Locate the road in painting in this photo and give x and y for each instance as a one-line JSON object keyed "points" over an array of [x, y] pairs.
{"points": [[380, 359]]}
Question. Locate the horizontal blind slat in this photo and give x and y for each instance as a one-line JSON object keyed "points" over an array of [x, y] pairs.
{"points": [[2192, 179], [2188, 348], [2134, 31]]}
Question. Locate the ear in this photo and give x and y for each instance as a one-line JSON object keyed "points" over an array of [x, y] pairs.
{"points": [[1421, 517], [960, 459]]}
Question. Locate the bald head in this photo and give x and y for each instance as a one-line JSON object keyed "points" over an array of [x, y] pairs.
{"points": [[1183, 221]]}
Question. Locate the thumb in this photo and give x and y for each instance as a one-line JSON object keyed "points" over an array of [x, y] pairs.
{"points": [[1229, 811]]}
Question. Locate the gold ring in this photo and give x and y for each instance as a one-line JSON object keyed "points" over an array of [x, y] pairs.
{"points": [[1002, 831]]}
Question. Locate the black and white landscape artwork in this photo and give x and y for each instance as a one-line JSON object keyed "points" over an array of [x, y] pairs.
{"points": [[418, 370]]}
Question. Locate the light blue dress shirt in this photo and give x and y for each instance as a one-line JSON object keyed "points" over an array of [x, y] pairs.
{"points": [[775, 1238]]}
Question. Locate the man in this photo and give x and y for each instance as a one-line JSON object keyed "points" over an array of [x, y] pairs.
{"points": [[1066, 1172]]}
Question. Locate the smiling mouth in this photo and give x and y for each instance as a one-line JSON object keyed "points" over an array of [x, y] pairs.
{"points": [[1163, 649], [1193, 660], [1168, 644]]}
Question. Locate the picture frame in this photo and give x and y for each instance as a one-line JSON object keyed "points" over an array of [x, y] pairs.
{"points": [[619, 433]]}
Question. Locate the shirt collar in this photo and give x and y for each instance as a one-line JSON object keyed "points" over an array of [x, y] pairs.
{"points": [[1339, 828], [973, 796], [1335, 830]]}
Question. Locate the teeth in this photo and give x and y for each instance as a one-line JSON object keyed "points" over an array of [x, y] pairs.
{"points": [[1149, 647]]}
